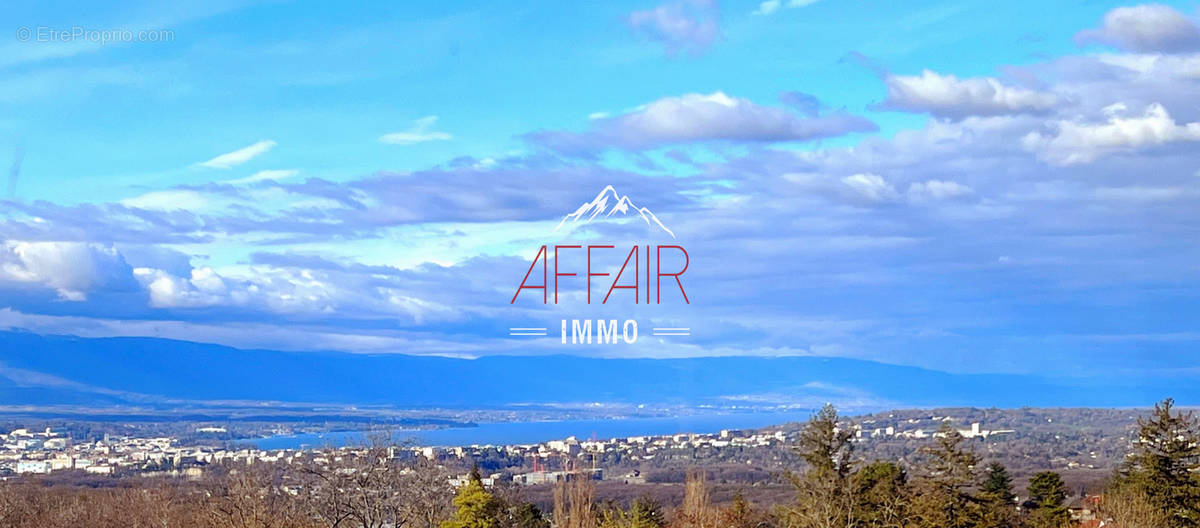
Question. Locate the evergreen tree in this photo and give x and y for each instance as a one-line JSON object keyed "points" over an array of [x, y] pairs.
{"points": [[997, 497], [1048, 500], [823, 494], [1165, 463], [646, 513], [997, 484], [943, 498], [881, 494], [474, 506], [825, 446], [526, 515]]}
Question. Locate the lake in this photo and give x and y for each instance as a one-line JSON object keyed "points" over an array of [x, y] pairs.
{"points": [[508, 433]]}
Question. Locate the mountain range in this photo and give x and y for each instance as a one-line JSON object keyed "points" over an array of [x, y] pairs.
{"points": [[99, 372]]}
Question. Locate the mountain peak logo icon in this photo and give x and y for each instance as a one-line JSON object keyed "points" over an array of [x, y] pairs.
{"points": [[611, 204]]}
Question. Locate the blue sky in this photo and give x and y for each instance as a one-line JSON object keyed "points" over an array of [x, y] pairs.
{"points": [[970, 186]]}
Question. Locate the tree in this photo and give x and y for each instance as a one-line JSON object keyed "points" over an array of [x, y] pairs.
{"points": [[574, 502], [739, 514], [429, 496], [943, 498], [645, 512], [695, 512], [251, 497], [475, 507], [369, 488], [996, 494], [824, 497], [525, 515], [881, 493], [1048, 497], [997, 485], [825, 446], [1165, 463], [518, 512], [1128, 505]]}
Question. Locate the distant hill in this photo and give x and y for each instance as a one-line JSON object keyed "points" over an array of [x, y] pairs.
{"points": [[37, 369]]}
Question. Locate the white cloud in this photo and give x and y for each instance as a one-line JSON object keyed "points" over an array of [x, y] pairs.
{"points": [[1146, 28], [284, 291], [771, 6], [684, 25], [239, 156], [936, 190], [1073, 143], [768, 7], [166, 290], [871, 187], [72, 269], [171, 200], [204, 288], [949, 96], [701, 117], [419, 133], [246, 334], [1158, 66], [264, 175]]}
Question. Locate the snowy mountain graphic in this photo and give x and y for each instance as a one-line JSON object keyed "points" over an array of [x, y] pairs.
{"points": [[610, 204]]}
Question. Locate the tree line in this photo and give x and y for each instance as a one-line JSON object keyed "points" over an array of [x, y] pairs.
{"points": [[947, 486]]}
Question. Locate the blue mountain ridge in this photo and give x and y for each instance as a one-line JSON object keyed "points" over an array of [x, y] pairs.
{"points": [[56, 369]]}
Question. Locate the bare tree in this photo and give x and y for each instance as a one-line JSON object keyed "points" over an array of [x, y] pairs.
{"points": [[1130, 507], [696, 511], [574, 502], [252, 496], [368, 488], [431, 499]]}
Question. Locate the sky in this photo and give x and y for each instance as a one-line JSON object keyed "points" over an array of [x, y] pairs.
{"points": [[966, 186]]}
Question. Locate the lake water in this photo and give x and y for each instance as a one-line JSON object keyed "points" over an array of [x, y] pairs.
{"points": [[507, 433]]}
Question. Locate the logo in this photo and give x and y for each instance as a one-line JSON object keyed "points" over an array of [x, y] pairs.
{"points": [[600, 274], [622, 207]]}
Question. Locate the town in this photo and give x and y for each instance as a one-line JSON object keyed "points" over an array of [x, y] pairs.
{"points": [[48, 450]]}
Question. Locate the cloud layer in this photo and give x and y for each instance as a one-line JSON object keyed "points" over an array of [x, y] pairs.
{"points": [[419, 133], [951, 97], [693, 118], [682, 26], [1032, 217], [232, 159], [1146, 28]]}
